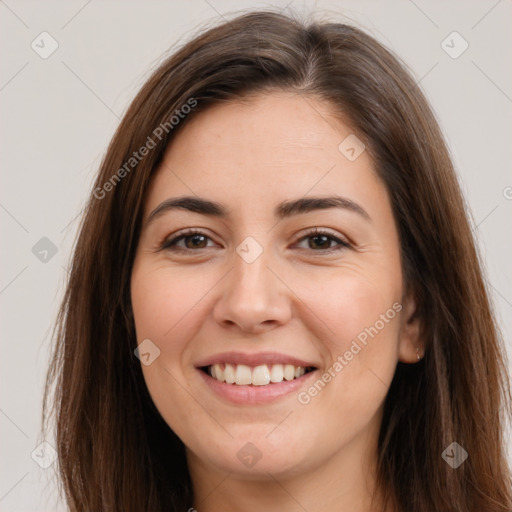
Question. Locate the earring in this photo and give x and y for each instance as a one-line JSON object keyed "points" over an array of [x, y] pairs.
{"points": [[418, 353]]}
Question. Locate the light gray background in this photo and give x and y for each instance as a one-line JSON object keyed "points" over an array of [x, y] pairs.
{"points": [[58, 115]]}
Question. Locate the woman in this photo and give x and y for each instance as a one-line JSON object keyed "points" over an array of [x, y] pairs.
{"points": [[275, 301]]}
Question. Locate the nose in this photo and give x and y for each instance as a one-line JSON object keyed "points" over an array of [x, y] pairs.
{"points": [[252, 297]]}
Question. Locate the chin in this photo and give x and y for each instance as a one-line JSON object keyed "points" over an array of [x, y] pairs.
{"points": [[259, 455]]}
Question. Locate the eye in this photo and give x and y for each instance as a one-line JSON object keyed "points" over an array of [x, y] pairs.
{"points": [[191, 239], [320, 240]]}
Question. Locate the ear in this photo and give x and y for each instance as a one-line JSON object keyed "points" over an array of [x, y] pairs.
{"points": [[410, 343]]}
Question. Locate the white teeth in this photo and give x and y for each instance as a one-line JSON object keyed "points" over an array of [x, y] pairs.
{"points": [[243, 375], [260, 376], [218, 372], [276, 373], [229, 374], [289, 372]]}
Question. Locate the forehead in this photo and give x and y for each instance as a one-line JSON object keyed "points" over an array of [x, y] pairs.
{"points": [[278, 144], [289, 122]]}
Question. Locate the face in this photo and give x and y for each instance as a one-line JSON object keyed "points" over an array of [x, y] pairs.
{"points": [[288, 289]]}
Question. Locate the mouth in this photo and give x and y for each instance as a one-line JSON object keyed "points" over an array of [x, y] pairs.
{"points": [[261, 375], [244, 378]]}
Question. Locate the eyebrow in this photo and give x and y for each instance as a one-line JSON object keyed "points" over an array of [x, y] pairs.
{"points": [[282, 211]]}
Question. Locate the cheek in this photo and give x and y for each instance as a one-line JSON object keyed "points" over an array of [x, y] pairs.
{"points": [[163, 302], [349, 304], [361, 319], [362, 357]]}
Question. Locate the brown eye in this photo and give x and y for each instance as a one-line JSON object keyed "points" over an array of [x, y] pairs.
{"points": [[195, 241], [323, 241], [320, 241], [191, 240]]}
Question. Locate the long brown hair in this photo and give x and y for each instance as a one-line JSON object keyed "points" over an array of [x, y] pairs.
{"points": [[115, 450]]}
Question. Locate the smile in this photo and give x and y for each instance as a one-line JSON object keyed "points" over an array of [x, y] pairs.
{"points": [[262, 375], [244, 378]]}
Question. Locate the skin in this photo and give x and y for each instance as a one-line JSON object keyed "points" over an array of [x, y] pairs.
{"points": [[299, 297]]}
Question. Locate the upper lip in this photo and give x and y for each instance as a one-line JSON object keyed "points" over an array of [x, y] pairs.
{"points": [[253, 359]]}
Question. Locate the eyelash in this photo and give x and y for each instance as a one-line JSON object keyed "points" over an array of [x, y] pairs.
{"points": [[170, 244]]}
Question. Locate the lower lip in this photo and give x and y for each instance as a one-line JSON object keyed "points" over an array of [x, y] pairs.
{"points": [[255, 394]]}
